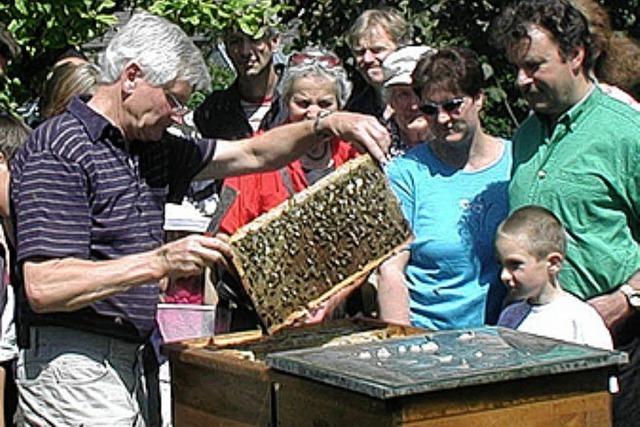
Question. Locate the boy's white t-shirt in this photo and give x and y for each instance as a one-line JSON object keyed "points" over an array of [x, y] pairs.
{"points": [[567, 318]]}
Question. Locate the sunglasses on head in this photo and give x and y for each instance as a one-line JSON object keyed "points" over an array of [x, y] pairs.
{"points": [[326, 59], [450, 106]]}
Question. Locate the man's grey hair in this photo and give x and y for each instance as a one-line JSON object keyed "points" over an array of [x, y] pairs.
{"points": [[163, 51], [336, 74]]}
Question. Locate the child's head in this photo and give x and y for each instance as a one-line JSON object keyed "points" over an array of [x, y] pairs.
{"points": [[531, 244]]}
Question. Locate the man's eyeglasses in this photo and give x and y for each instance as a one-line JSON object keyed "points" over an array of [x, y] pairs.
{"points": [[177, 107], [328, 60], [450, 106]]}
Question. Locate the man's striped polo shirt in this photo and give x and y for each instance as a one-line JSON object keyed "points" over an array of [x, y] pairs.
{"points": [[78, 190]]}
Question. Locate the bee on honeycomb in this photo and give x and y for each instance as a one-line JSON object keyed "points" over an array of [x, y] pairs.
{"points": [[318, 242]]}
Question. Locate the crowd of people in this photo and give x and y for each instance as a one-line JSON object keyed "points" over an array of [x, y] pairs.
{"points": [[536, 231]]}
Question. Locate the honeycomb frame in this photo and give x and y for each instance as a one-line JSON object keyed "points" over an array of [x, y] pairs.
{"points": [[320, 241]]}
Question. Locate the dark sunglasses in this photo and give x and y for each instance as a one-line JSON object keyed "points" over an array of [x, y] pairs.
{"points": [[450, 106], [326, 59]]}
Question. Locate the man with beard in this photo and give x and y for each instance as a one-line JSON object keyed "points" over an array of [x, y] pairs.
{"points": [[577, 155]]}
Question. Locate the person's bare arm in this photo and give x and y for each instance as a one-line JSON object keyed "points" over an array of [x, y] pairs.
{"points": [[393, 295], [69, 284], [326, 310], [283, 144]]}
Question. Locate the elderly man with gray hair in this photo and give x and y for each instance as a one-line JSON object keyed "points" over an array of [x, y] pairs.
{"points": [[403, 103], [88, 191]]}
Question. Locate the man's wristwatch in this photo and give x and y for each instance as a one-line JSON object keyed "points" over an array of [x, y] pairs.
{"points": [[632, 294]]}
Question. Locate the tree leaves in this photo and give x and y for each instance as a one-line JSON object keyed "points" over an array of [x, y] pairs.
{"points": [[42, 26], [212, 18]]}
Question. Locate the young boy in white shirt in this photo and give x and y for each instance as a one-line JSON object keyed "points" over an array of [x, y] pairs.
{"points": [[531, 245]]}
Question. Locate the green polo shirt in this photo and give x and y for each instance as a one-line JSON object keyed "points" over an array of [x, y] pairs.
{"points": [[586, 169]]}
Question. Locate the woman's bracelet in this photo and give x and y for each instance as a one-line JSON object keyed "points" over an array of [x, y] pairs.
{"points": [[321, 133]]}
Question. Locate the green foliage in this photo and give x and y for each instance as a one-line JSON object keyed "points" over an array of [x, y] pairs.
{"points": [[214, 18], [42, 28], [41, 25], [8, 86], [221, 76], [625, 15], [192, 15]]}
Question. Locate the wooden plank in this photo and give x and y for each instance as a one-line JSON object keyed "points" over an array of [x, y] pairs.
{"points": [[301, 403], [185, 415], [578, 399], [502, 395], [590, 410], [237, 395]]}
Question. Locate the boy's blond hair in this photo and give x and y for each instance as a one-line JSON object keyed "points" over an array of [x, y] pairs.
{"points": [[543, 231]]}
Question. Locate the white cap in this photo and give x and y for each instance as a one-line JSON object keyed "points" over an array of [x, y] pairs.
{"points": [[399, 65]]}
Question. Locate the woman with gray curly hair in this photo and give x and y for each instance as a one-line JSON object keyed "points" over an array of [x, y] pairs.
{"points": [[314, 61], [313, 86]]}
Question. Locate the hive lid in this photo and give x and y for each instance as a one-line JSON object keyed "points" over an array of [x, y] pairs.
{"points": [[320, 241], [441, 360]]}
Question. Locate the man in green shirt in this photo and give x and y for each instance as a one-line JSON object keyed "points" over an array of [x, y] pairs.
{"points": [[578, 155]]}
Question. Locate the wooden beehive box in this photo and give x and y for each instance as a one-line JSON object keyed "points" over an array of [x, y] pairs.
{"points": [[486, 377], [320, 241], [224, 380]]}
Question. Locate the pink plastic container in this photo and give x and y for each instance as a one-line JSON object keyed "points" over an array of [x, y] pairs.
{"points": [[184, 321]]}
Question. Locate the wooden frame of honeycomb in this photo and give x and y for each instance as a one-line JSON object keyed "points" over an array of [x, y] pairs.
{"points": [[320, 241]]}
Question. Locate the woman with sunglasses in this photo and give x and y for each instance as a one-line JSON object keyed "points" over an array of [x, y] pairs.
{"points": [[453, 191], [313, 85]]}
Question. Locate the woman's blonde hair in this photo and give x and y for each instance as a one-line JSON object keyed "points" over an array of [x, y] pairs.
{"points": [[67, 80]]}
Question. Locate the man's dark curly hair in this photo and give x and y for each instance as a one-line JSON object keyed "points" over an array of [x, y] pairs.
{"points": [[566, 24], [455, 69]]}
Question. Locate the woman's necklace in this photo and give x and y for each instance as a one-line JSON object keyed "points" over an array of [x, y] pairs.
{"points": [[322, 154]]}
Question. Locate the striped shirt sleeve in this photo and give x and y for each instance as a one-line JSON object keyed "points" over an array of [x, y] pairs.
{"points": [[52, 209]]}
